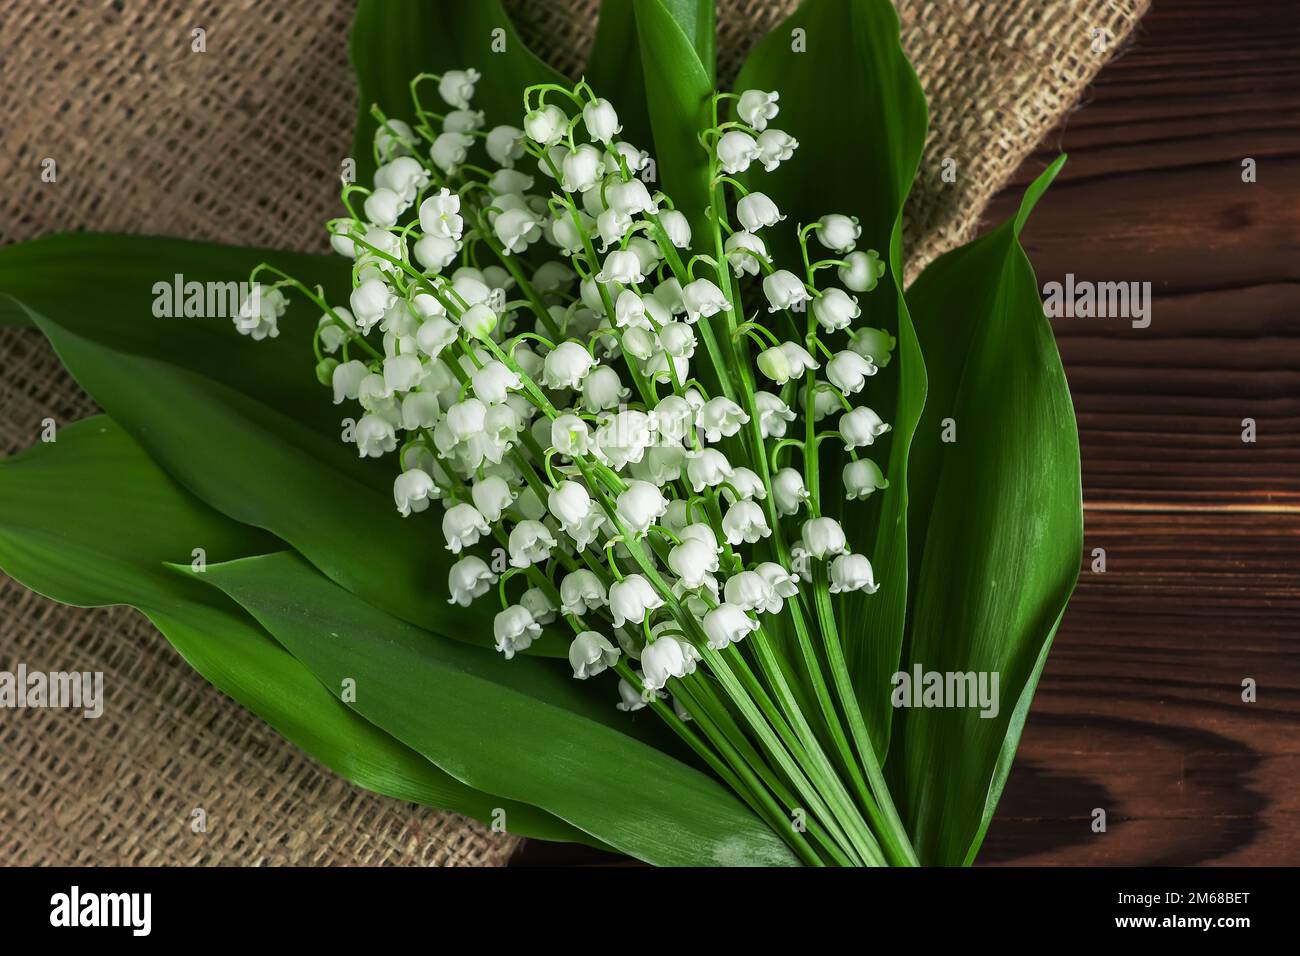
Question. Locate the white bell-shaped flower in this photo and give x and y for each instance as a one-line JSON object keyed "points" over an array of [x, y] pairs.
{"points": [[566, 366], [640, 505], [463, 121], [404, 175], [591, 653], [862, 479], [835, 309], [784, 585], [434, 335], [449, 150], [707, 468], [839, 233], [402, 373], [678, 339], [530, 542], [727, 624], [861, 427], [346, 380], [852, 572], [788, 491], [862, 271], [621, 266], [774, 415], [478, 321], [435, 253], [516, 230], [374, 436], [420, 410], [469, 578], [384, 207], [678, 228], [540, 605], [456, 87], [629, 699], [505, 145], [493, 381], [784, 290], [757, 107], [736, 150], [744, 521], [601, 121], [823, 537], [412, 490], [546, 125], [848, 371], [369, 301], [631, 198], [492, 495], [394, 138], [631, 598], [775, 147], [612, 225], [462, 526], [570, 435], [571, 504], [757, 211], [749, 591], [602, 389], [665, 658], [746, 484], [515, 630], [623, 438], [693, 561], [704, 533], [746, 252], [874, 345], [720, 418], [581, 592], [581, 168], [786, 361]]}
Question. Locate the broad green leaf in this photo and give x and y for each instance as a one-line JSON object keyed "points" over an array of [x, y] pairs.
{"points": [[522, 731], [106, 288], [999, 516], [675, 42], [852, 100], [614, 70], [90, 519], [393, 41], [264, 469]]}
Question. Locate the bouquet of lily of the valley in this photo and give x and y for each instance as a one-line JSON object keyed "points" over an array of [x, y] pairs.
{"points": [[632, 500]]}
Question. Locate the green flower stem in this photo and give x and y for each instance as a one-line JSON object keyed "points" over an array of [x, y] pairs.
{"points": [[820, 770], [754, 791]]}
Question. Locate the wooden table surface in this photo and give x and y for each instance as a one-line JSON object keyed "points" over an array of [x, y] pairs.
{"points": [[1140, 708]]}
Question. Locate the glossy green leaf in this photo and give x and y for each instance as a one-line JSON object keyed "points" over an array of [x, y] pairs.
{"points": [[677, 74], [90, 520], [107, 288], [395, 40], [520, 728], [852, 100], [999, 514], [614, 70]]}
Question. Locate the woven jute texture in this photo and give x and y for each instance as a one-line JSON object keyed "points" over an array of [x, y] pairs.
{"points": [[241, 144]]}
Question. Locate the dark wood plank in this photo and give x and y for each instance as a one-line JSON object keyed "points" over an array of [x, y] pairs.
{"points": [[1153, 193], [1140, 712]]}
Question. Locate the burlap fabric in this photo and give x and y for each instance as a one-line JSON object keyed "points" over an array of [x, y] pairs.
{"points": [[241, 144]]}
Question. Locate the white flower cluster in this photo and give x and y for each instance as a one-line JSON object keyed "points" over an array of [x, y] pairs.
{"points": [[550, 402]]}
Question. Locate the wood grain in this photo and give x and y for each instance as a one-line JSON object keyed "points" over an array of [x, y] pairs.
{"points": [[1139, 710]]}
